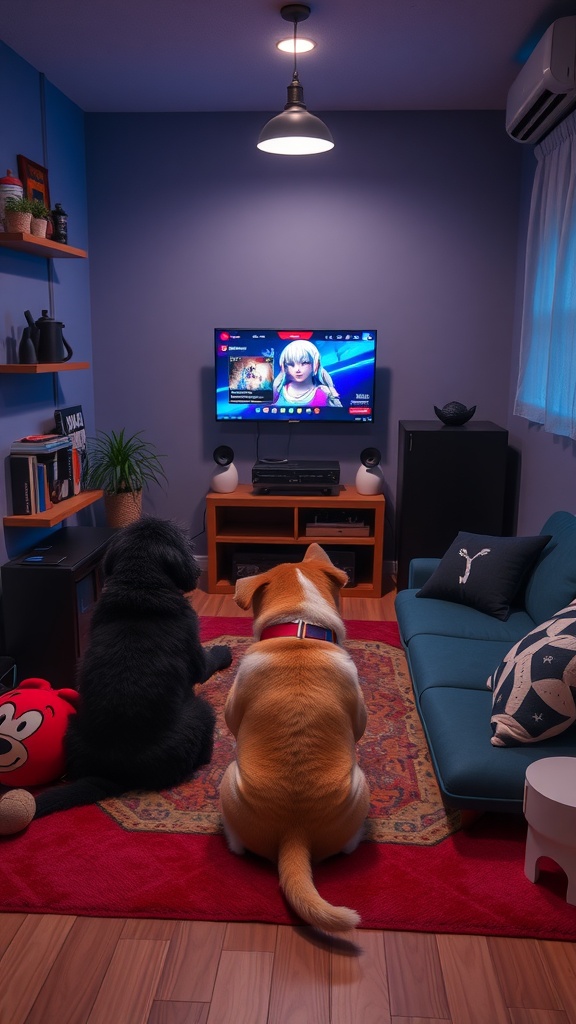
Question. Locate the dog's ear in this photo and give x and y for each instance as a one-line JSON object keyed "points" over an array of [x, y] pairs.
{"points": [[246, 589], [179, 564], [317, 553], [336, 576]]}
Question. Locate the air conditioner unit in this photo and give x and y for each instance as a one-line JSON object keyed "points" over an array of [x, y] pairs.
{"points": [[545, 90]]}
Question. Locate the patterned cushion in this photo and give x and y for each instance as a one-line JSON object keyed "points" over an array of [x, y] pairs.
{"points": [[484, 572], [535, 685]]}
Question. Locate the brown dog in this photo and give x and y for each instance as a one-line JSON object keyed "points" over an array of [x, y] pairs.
{"points": [[295, 793]]}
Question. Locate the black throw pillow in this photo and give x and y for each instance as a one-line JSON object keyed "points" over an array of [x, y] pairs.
{"points": [[484, 572]]}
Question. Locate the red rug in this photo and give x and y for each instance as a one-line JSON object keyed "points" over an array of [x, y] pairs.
{"points": [[84, 862]]}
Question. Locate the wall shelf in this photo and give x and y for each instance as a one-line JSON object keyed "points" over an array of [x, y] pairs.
{"points": [[57, 513], [41, 367], [24, 242], [33, 245]]}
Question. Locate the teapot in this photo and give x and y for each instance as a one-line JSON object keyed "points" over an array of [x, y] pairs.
{"points": [[47, 339]]}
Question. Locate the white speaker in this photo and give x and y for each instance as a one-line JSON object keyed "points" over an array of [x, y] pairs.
{"points": [[225, 478], [369, 478]]}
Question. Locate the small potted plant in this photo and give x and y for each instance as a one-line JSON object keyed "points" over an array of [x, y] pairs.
{"points": [[40, 217], [122, 467], [17, 214]]}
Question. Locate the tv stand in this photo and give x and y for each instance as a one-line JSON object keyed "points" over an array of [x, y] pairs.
{"points": [[284, 525]]}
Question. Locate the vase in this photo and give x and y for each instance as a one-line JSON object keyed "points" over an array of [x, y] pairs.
{"points": [[38, 226], [17, 222], [10, 187], [123, 509], [26, 348]]}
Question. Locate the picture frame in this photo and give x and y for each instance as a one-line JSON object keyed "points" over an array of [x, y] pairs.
{"points": [[34, 178]]}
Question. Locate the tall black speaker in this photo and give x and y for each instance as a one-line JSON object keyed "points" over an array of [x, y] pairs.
{"points": [[449, 479]]}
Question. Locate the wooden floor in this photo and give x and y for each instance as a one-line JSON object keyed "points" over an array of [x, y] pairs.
{"points": [[66, 970]]}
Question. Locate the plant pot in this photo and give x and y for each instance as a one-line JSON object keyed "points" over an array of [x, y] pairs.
{"points": [[38, 226], [16, 222], [123, 509]]}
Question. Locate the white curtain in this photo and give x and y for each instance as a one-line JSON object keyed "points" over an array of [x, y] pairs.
{"points": [[547, 377]]}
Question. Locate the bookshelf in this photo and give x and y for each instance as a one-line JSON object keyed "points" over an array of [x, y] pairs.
{"points": [[23, 242], [276, 524], [57, 513]]}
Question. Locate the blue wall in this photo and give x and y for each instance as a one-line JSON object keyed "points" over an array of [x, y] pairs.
{"points": [[35, 283]]}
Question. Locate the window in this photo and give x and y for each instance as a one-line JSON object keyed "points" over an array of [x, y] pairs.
{"points": [[546, 391]]}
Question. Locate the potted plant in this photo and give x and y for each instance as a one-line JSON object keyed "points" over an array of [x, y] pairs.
{"points": [[122, 467], [17, 214], [40, 217]]}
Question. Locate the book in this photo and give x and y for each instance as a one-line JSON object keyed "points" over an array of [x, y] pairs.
{"points": [[44, 501], [38, 439], [24, 447], [63, 479], [58, 468], [70, 423], [24, 481]]}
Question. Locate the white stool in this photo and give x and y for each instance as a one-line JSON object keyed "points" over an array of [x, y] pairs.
{"points": [[550, 810]]}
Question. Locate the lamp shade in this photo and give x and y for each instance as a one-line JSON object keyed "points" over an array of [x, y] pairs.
{"points": [[295, 132]]}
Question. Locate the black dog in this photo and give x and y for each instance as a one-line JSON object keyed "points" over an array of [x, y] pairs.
{"points": [[140, 725]]}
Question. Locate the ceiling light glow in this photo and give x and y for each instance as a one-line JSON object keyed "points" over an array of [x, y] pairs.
{"points": [[302, 45]]}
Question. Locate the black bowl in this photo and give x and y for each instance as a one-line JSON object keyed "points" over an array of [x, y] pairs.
{"points": [[454, 414]]}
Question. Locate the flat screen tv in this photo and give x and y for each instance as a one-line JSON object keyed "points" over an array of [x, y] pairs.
{"points": [[295, 376]]}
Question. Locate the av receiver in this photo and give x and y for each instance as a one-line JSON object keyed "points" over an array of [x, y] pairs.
{"points": [[296, 477]]}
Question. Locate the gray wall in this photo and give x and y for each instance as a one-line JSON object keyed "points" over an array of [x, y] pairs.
{"points": [[410, 226], [413, 225]]}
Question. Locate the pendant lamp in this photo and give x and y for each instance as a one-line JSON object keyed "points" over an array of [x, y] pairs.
{"points": [[295, 132]]}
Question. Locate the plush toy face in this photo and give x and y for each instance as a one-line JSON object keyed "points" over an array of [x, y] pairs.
{"points": [[33, 721]]}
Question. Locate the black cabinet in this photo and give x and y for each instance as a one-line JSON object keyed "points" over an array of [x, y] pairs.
{"points": [[449, 479], [48, 595]]}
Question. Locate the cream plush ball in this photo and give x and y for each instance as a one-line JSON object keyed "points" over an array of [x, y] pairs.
{"points": [[17, 809]]}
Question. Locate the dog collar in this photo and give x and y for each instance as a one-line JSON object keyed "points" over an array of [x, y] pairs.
{"points": [[302, 630]]}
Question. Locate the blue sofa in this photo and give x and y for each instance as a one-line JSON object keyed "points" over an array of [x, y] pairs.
{"points": [[452, 650]]}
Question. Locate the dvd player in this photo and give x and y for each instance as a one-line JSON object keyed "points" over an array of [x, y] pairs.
{"points": [[296, 477]]}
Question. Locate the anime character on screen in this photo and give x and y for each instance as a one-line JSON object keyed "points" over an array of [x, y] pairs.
{"points": [[302, 379]]}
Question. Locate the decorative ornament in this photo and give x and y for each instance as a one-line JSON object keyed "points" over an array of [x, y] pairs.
{"points": [[454, 414]]}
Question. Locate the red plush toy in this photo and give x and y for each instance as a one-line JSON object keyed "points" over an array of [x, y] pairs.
{"points": [[33, 721]]}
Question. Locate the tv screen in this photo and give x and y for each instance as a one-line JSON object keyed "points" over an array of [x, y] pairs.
{"points": [[295, 376]]}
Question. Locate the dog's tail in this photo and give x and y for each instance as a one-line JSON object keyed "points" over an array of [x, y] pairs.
{"points": [[75, 794], [295, 870]]}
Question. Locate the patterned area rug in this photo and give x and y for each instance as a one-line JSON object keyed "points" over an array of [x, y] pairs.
{"points": [[164, 857], [406, 806]]}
